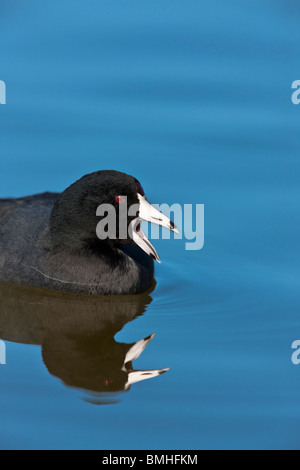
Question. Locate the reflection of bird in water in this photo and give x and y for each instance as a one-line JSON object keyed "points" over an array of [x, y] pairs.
{"points": [[77, 333]]}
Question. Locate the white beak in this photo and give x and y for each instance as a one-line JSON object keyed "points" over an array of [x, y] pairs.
{"points": [[134, 352], [148, 213], [139, 375]]}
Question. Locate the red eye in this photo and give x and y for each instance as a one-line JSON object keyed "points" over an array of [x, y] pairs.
{"points": [[120, 199]]}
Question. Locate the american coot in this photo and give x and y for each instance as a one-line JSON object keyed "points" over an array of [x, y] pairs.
{"points": [[51, 241]]}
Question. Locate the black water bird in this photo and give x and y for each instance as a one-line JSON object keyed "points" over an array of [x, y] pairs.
{"points": [[59, 241]]}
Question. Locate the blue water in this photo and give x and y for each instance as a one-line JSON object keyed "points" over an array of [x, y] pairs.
{"points": [[194, 99]]}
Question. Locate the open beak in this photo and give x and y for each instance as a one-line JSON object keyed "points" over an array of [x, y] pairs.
{"points": [[133, 353], [148, 213]]}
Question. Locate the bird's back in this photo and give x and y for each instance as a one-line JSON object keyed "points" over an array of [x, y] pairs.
{"points": [[9, 205], [22, 222]]}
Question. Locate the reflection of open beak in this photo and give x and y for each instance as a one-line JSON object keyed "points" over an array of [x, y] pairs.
{"points": [[134, 352], [148, 213], [139, 375]]}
